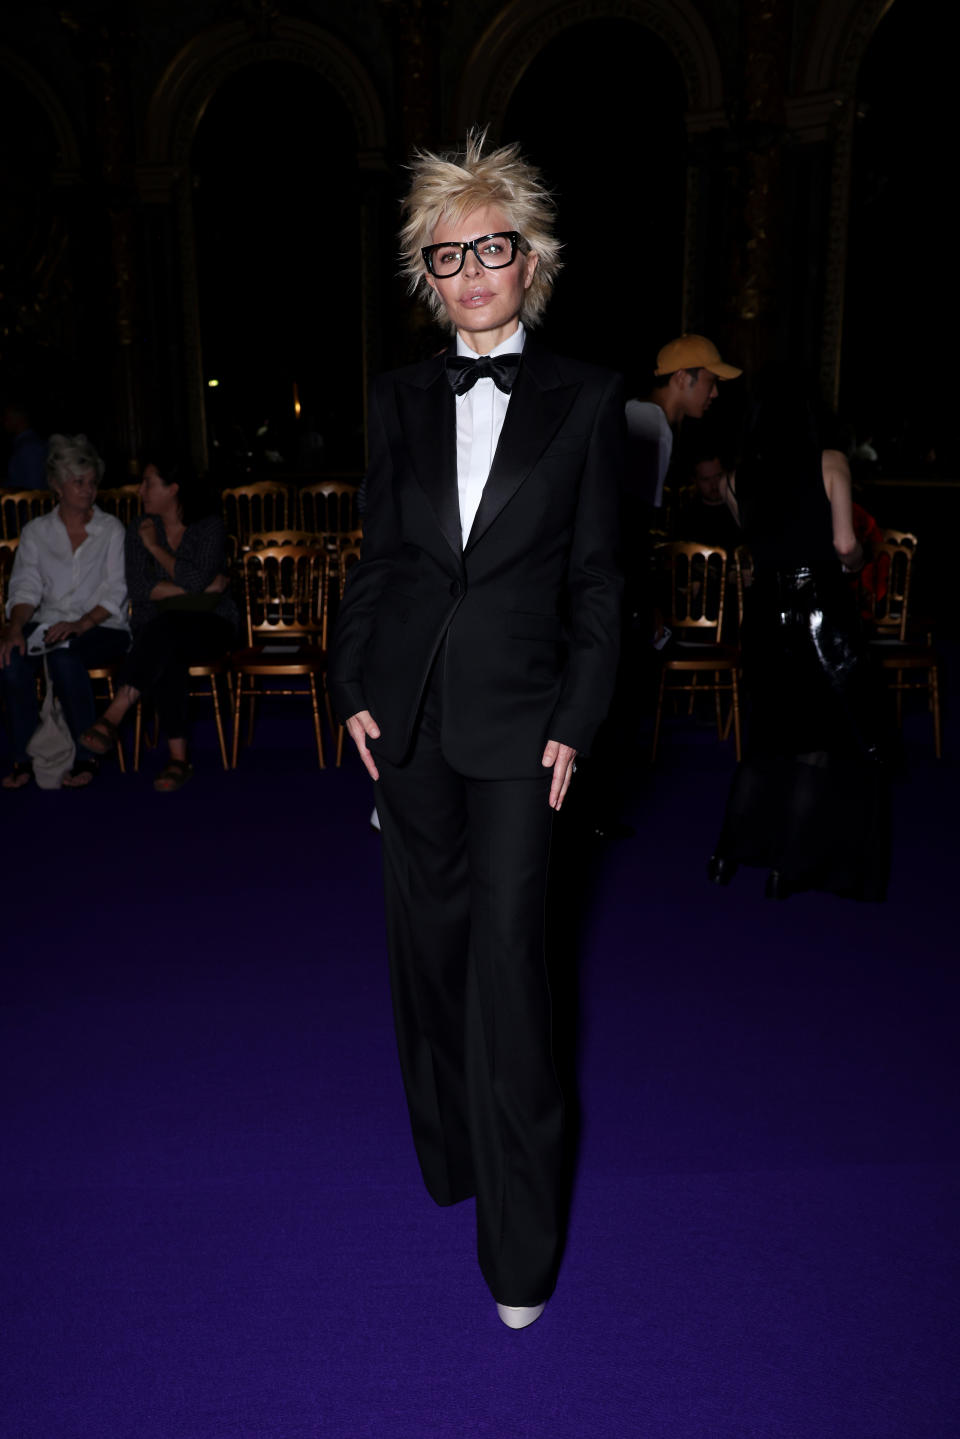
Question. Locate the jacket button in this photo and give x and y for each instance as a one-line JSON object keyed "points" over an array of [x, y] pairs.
{"points": [[456, 589]]}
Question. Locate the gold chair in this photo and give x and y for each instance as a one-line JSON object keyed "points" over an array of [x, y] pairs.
{"points": [[285, 604], [328, 507], [692, 606], [8, 551], [211, 670], [106, 675], [348, 554], [263, 540], [17, 507], [913, 665], [743, 576], [260, 508], [899, 537], [123, 502]]}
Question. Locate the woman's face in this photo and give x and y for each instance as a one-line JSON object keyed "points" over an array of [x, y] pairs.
{"points": [[77, 487], [157, 497], [483, 304]]}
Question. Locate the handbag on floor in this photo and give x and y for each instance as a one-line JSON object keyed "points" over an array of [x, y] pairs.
{"points": [[51, 745]]}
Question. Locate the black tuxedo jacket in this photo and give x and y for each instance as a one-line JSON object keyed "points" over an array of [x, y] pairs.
{"points": [[528, 610]]}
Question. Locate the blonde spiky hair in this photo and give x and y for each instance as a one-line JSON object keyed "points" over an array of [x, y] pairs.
{"points": [[450, 186]]}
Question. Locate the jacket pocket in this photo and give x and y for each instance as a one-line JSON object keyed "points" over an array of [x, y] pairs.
{"points": [[523, 626]]}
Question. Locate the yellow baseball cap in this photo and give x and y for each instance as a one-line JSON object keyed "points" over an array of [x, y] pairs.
{"points": [[691, 351]]}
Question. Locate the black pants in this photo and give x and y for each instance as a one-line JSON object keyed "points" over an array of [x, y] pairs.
{"points": [[162, 653], [465, 870]]}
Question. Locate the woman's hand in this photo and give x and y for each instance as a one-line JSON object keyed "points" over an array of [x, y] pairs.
{"points": [[64, 629], [361, 726], [217, 585], [559, 757], [11, 639], [147, 531]]}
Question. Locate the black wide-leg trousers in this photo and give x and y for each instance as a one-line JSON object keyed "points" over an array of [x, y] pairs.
{"points": [[465, 871]]}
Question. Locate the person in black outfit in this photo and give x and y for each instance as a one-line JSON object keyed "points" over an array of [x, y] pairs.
{"points": [[474, 659], [182, 612], [808, 800]]}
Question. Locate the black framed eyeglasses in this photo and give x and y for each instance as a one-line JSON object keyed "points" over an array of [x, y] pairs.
{"points": [[495, 252]]}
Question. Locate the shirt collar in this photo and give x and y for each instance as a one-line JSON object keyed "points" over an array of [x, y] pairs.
{"points": [[512, 345]]}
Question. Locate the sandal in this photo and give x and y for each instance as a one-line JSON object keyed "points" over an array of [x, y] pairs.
{"points": [[101, 737], [20, 777], [81, 774], [174, 776]]}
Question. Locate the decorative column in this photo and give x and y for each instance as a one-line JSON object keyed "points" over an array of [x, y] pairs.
{"points": [[105, 43], [758, 263]]}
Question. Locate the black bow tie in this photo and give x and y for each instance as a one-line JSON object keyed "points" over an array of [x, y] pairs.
{"points": [[463, 373]]}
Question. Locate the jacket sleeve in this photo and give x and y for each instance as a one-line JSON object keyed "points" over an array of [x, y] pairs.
{"points": [[381, 540], [594, 581]]}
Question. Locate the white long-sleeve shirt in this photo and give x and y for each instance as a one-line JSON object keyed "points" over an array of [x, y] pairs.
{"points": [[63, 583], [480, 416]]}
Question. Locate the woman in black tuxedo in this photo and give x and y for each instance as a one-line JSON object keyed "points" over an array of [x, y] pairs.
{"points": [[474, 658]]}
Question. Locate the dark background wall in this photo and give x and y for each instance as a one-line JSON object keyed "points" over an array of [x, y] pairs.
{"points": [[209, 192]]}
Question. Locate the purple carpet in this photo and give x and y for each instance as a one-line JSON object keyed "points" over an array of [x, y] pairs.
{"points": [[213, 1220]]}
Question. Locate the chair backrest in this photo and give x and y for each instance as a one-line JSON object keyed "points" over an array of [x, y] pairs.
{"points": [[285, 593], [743, 575], [328, 507], [7, 552], [123, 501], [696, 580], [348, 555], [899, 537], [885, 598], [260, 508], [19, 506], [259, 541]]}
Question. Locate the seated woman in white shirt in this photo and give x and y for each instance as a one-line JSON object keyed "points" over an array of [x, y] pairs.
{"points": [[67, 588]]}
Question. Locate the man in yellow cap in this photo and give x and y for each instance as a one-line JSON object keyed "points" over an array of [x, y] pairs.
{"points": [[685, 384]]}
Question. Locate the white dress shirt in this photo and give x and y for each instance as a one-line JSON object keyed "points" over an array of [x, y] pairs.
{"points": [[480, 416], [63, 583]]}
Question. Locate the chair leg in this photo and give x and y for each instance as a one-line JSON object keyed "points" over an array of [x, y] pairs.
{"points": [[121, 758], [735, 701], [219, 720], [237, 705], [314, 701], [251, 696], [935, 706], [137, 734], [656, 721], [716, 701]]}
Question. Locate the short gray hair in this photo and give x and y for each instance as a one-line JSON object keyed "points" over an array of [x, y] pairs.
{"points": [[71, 452]]}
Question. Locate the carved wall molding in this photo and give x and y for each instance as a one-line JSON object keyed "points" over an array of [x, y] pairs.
{"points": [[840, 33], [522, 29], [68, 171], [824, 106], [214, 55], [176, 108]]}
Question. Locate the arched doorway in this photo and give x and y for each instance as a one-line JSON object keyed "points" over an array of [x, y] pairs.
{"points": [[49, 333], [902, 286], [279, 273], [601, 109]]}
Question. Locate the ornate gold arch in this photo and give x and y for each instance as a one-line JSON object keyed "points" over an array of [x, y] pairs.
{"points": [[176, 108], [68, 169], [521, 30], [825, 106]]}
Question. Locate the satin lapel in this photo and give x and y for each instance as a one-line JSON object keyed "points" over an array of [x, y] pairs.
{"points": [[535, 413], [428, 419]]}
